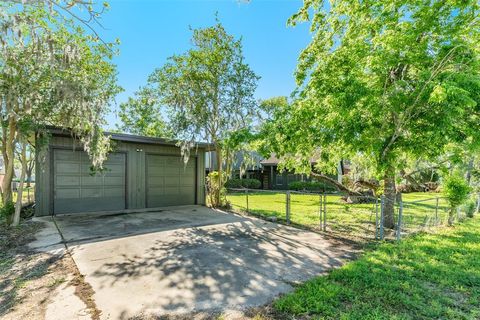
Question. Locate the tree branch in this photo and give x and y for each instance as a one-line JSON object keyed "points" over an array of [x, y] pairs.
{"points": [[334, 182]]}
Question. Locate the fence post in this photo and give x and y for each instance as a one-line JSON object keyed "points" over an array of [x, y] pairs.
{"points": [[324, 212], [246, 193], [288, 206], [376, 218], [436, 212], [399, 224], [382, 218], [320, 210]]}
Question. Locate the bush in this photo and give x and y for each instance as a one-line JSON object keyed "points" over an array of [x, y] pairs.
{"points": [[7, 211], [251, 183], [456, 190], [310, 186], [470, 208], [234, 183], [214, 188], [243, 183]]}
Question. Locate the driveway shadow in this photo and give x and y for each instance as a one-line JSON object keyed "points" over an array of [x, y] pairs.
{"points": [[216, 267]]}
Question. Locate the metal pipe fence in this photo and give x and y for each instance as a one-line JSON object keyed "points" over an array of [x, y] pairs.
{"points": [[359, 217]]}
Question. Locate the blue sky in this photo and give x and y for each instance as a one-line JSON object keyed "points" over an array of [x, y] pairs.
{"points": [[152, 30]]}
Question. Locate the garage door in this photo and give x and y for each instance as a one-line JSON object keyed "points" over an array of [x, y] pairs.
{"points": [[170, 182], [76, 189]]}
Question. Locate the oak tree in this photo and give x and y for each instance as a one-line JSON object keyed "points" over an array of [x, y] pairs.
{"points": [[384, 79]]}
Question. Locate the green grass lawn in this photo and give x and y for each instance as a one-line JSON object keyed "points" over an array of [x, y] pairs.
{"points": [[353, 220], [426, 276], [28, 196]]}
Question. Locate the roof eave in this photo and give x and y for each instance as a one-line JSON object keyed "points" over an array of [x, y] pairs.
{"points": [[134, 138]]}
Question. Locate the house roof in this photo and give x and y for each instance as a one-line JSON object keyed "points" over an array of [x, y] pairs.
{"points": [[133, 138], [273, 160]]}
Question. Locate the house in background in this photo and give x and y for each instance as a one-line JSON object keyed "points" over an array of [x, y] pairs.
{"points": [[274, 179], [266, 170], [253, 169]]}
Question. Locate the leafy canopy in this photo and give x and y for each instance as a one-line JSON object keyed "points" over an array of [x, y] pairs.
{"points": [[384, 79], [53, 73], [456, 190], [208, 90], [142, 115]]}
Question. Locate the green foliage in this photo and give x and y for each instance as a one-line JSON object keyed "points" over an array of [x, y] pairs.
{"points": [[52, 72], [218, 83], [470, 208], [429, 276], [310, 186], [6, 212], [141, 115], [238, 148], [387, 80], [236, 140], [243, 183], [456, 190], [270, 106]]}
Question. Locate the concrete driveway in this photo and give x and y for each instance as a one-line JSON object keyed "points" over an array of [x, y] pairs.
{"points": [[191, 259]]}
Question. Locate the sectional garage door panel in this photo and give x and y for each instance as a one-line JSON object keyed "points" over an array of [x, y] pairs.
{"points": [[170, 181], [77, 190]]}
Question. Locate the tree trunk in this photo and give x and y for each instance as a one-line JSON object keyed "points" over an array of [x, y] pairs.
{"points": [[29, 177], [30, 167], [451, 216], [8, 151], [7, 179], [228, 164], [220, 175], [18, 206], [389, 204], [369, 184]]}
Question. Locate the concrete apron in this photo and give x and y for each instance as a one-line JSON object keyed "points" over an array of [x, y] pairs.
{"points": [[230, 265]]}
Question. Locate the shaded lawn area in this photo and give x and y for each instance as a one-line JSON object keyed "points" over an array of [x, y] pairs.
{"points": [[350, 220], [427, 276]]}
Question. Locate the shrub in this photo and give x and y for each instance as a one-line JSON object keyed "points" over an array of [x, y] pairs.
{"points": [[310, 186], [234, 183], [470, 208], [251, 183], [243, 183], [7, 211], [456, 190], [213, 187]]}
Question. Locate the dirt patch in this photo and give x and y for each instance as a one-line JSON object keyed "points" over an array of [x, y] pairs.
{"points": [[29, 279], [258, 313], [83, 289]]}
